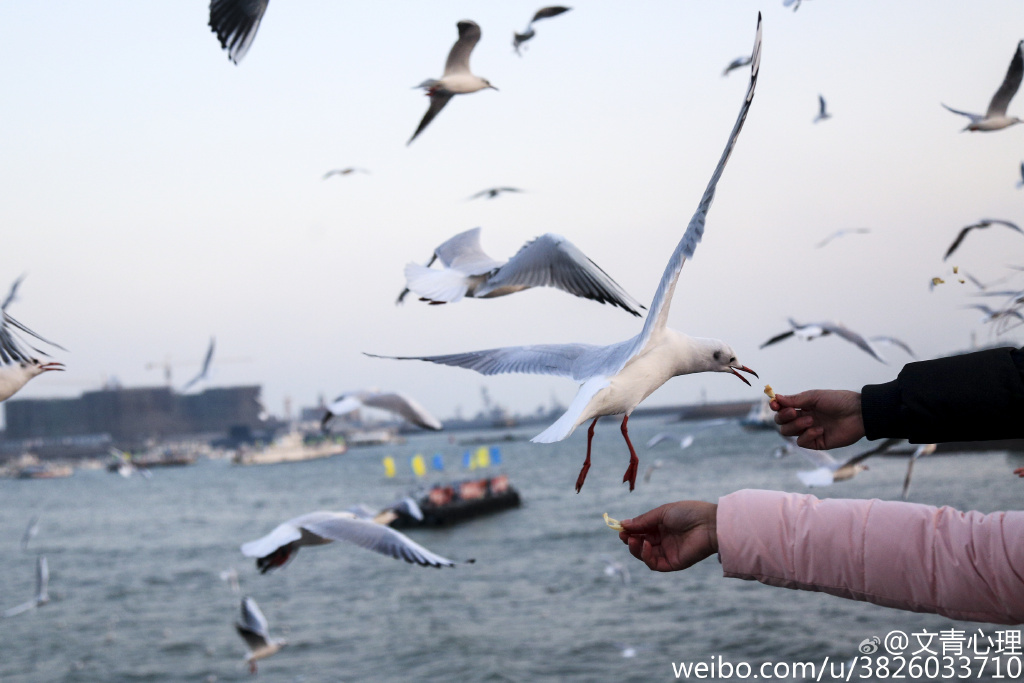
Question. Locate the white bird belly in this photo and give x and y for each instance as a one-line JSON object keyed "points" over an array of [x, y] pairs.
{"points": [[461, 84]]}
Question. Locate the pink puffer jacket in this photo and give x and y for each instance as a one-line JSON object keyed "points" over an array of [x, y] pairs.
{"points": [[963, 565]]}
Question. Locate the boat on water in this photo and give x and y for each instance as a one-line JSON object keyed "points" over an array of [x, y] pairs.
{"points": [[45, 471], [292, 447], [760, 416], [459, 501]]}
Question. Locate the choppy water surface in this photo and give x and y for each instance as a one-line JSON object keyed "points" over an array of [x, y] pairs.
{"points": [[136, 595]]}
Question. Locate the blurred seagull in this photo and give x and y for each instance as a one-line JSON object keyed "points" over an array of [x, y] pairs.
{"points": [[392, 401], [493, 192], [1020, 183], [892, 341], [30, 532], [42, 596], [829, 470], [840, 233], [815, 330], [657, 464], [318, 528], [205, 372], [17, 367], [737, 63], [230, 576], [995, 118], [613, 568], [615, 379], [993, 315], [235, 22], [983, 223], [544, 13], [457, 79], [405, 505], [685, 440], [546, 261], [256, 633], [822, 114], [794, 3], [344, 171], [921, 451]]}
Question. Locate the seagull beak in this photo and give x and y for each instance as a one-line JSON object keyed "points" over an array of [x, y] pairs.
{"points": [[492, 87], [744, 368], [51, 366]]}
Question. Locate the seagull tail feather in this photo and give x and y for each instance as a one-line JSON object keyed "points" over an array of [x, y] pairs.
{"points": [[435, 284]]}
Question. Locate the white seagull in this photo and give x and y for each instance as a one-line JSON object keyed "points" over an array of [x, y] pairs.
{"points": [[814, 330], [983, 223], [394, 402], [30, 532], [457, 79], [235, 22], [546, 261], [493, 192], [617, 378], [543, 13], [822, 114], [42, 596], [344, 171], [995, 118], [318, 528], [256, 633], [920, 451], [205, 372], [829, 470], [685, 440], [737, 63], [17, 367], [840, 233]]}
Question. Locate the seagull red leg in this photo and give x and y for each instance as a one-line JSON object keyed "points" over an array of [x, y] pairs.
{"points": [[586, 463], [634, 462]]}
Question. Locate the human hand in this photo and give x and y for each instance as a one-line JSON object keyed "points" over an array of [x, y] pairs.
{"points": [[673, 536], [1019, 472], [821, 419]]}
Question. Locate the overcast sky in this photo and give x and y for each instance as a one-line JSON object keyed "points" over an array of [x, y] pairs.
{"points": [[156, 194]]}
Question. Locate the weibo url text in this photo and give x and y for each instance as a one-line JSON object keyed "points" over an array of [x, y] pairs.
{"points": [[859, 668]]}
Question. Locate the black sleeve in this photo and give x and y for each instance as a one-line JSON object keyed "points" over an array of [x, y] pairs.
{"points": [[972, 397]]}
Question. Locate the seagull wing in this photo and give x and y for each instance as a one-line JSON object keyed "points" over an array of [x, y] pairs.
{"points": [[548, 12], [820, 459], [283, 534], [736, 64], [206, 366], [253, 627], [973, 117], [854, 338], [437, 102], [42, 580], [821, 107], [381, 539], [895, 342], [235, 22], [14, 291], [458, 58], [960, 238], [880, 448], [405, 406], [23, 607], [464, 253], [1001, 100], [657, 315], [778, 338], [562, 360], [553, 261]]}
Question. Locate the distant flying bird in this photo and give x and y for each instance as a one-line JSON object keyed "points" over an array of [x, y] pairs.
{"points": [[841, 233], [17, 367], [983, 223], [544, 13], [1020, 183], [546, 261], [344, 171], [737, 63], [814, 330], [615, 379], [235, 22], [794, 3], [457, 79], [42, 596], [685, 440], [829, 470], [205, 372], [995, 118], [318, 528], [256, 633], [30, 532], [921, 451], [393, 402], [822, 114], [493, 192]]}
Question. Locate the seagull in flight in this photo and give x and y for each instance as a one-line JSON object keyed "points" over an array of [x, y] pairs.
{"points": [[493, 192], [814, 330], [30, 532], [205, 372], [983, 223], [829, 470], [544, 13], [616, 378], [392, 401], [546, 261], [921, 451], [841, 233], [256, 633], [235, 22], [318, 528], [737, 63], [995, 118], [822, 114], [457, 78], [17, 366], [42, 596], [344, 171]]}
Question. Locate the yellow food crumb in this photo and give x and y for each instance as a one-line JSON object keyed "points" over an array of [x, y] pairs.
{"points": [[937, 281], [613, 523], [768, 392], [956, 269]]}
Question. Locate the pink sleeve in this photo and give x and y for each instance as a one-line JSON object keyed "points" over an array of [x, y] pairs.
{"points": [[963, 565]]}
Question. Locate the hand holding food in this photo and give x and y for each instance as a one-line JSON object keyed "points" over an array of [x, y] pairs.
{"points": [[613, 523]]}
